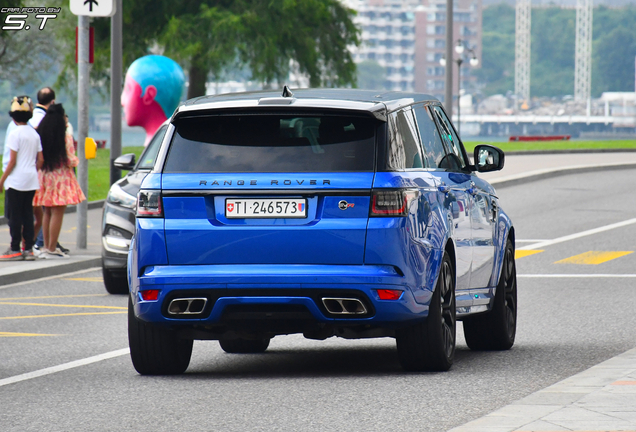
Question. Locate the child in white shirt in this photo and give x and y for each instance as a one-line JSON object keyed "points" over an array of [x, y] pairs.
{"points": [[21, 179]]}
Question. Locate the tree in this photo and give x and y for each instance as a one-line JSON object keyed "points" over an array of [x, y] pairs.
{"points": [[371, 75], [498, 63], [552, 52], [497, 69], [553, 43], [614, 52], [26, 54], [212, 35]]}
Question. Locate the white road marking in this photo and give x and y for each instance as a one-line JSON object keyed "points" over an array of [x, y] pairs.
{"points": [[574, 236], [576, 275], [63, 367]]}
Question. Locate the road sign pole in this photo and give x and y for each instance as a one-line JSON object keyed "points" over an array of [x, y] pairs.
{"points": [[82, 124], [115, 90]]}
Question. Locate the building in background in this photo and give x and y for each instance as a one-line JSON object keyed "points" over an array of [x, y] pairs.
{"points": [[388, 39], [408, 39]]}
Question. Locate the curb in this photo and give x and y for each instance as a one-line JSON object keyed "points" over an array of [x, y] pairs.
{"points": [[55, 268], [531, 176]]}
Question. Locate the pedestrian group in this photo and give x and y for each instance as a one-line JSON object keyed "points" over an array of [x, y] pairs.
{"points": [[38, 176]]}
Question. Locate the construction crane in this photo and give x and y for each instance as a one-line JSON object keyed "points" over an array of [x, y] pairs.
{"points": [[522, 51], [583, 51]]}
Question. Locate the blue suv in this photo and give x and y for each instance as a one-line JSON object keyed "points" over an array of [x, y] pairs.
{"points": [[328, 212]]}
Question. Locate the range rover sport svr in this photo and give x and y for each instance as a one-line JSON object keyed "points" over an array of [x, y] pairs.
{"points": [[327, 212]]}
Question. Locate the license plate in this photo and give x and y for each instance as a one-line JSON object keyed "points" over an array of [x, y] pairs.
{"points": [[265, 208]]}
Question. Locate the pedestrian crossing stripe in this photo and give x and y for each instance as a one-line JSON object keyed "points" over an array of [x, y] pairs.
{"points": [[520, 253], [593, 257], [11, 334]]}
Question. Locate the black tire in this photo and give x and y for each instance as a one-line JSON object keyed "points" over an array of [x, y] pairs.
{"points": [[496, 329], [430, 345], [154, 350], [244, 346], [115, 284]]}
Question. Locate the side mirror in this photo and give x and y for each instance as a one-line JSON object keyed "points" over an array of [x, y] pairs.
{"points": [[488, 158], [125, 162]]}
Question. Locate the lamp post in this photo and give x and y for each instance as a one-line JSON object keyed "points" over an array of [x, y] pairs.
{"points": [[474, 61]]}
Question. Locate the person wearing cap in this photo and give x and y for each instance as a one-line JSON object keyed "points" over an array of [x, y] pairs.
{"points": [[20, 179], [46, 98]]}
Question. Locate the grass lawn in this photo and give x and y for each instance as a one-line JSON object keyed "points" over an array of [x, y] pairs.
{"points": [[555, 145], [99, 172], [99, 168]]}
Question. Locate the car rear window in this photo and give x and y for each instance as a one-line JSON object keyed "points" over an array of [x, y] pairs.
{"points": [[272, 143]]}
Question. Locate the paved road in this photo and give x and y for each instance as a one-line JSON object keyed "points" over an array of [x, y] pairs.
{"points": [[566, 325]]}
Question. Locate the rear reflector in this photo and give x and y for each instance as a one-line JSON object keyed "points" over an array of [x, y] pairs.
{"points": [[391, 203], [149, 295], [389, 294]]}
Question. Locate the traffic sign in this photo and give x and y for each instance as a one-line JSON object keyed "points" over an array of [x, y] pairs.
{"points": [[93, 8]]}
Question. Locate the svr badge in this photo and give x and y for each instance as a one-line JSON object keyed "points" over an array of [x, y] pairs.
{"points": [[343, 205]]}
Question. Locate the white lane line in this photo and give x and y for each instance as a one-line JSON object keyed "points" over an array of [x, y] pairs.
{"points": [[545, 243], [63, 367], [576, 275]]}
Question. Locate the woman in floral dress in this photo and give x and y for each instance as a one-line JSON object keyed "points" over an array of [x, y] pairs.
{"points": [[58, 185]]}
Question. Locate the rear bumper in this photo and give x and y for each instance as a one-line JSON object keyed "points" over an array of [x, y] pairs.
{"points": [[279, 292]]}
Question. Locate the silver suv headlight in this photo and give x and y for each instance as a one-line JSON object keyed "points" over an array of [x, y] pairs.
{"points": [[118, 196]]}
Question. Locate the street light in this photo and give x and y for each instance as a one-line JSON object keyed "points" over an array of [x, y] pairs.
{"points": [[474, 61]]}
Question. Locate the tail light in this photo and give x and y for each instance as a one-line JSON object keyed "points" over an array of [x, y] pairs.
{"points": [[391, 202], [149, 204]]}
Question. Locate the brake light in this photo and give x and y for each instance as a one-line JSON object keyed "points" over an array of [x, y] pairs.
{"points": [[149, 204], [391, 203], [149, 295], [389, 294]]}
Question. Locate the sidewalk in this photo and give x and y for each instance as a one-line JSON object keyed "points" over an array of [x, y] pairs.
{"points": [[522, 168], [80, 259], [602, 398]]}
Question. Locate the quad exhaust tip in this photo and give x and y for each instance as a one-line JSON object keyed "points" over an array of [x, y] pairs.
{"points": [[187, 306], [344, 306]]}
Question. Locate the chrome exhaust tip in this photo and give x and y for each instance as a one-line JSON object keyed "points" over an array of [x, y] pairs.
{"points": [[344, 306], [187, 306]]}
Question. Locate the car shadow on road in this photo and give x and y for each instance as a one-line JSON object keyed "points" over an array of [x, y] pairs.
{"points": [[307, 363]]}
